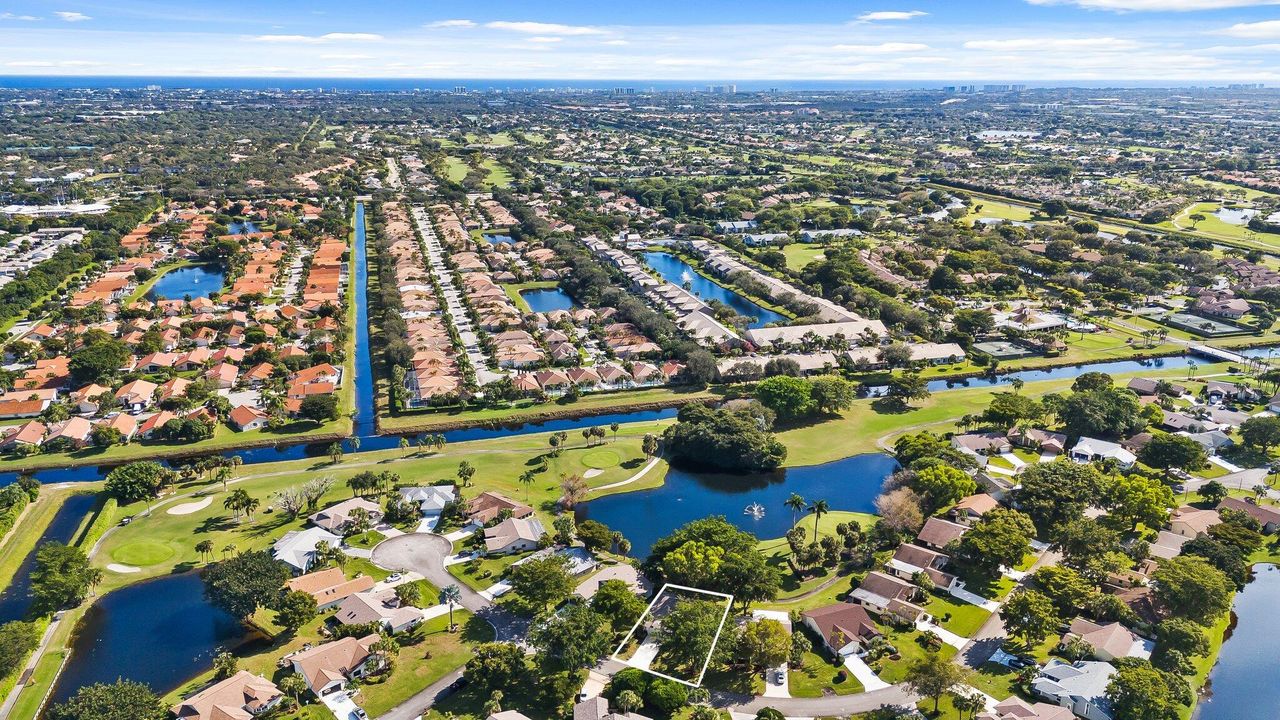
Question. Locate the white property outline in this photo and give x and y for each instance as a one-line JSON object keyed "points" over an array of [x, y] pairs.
{"points": [[705, 663]]}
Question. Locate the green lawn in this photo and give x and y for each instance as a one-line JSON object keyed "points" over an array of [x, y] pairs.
{"points": [[800, 255], [817, 676], [488, 572], [366, 540], [957, 616], [909, 649]]}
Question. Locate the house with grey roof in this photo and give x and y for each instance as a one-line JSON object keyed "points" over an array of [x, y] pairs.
{"points": [[297, 548], [1080, 686]]}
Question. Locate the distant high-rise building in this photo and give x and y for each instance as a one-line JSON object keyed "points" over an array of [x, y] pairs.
{"points": [[624, 91], [722, 89], [459, 89]]}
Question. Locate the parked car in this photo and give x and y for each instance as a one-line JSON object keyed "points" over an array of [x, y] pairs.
{"points": [[394, 577]]}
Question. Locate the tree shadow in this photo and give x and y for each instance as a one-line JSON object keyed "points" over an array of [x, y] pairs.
{"points": [[217, 523], [889, 406]]}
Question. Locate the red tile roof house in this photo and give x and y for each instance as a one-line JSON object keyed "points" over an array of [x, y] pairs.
{"points": [[240, 697], [244, 418], [30, 434], [487, 506], [223, 375], [136, 395], [845, 628]]}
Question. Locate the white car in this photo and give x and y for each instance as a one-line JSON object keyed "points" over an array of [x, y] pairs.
{"points": [[394, 577]]}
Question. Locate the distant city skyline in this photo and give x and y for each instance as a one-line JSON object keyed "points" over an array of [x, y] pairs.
{"points": [[952, 41]]}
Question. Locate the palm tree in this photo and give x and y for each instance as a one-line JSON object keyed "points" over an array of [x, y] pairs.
{"points": [[251, 504], [450, 595], [335, 453], [818, 508], [796, 503], [526, 479], [222, 475], [614, 428], [404, 445], [236, 462], [1017, 384], [228, 549], [355, 443], [465, 472], [205, 548]]}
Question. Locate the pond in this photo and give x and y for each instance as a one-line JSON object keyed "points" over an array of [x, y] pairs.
{"points": [[161, 632], [497, 239], [15, 600], [544, 300], [851, 484], [242, 228], [1242, 683], [193, 281], [678, 272], [1235, 216]]}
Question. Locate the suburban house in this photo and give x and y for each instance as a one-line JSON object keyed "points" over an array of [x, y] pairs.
{"points": [[1191, 522], [381, 607], [1042, 440], [909, 560], [1015, 708], [1080, 687], [597, 708], [487, 506], [971, 509], [1168, 545], [327, 667], [887, 595], [513, 535], [430, 499], [845, 628], [1090, 449], [1268, 517], [341, 517], [1147, 386], [329, 586], [245, 417], [938, 533], [979, 444], [297, 548], [1109, 641], [239, 697]]}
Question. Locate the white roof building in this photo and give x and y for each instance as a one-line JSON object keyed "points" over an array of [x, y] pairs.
{"points": [[298, 547]]}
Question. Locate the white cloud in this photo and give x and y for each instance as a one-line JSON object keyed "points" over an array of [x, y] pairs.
{"points": [[1157, 5], [1265, 30], [48, 64], [881, 49], [540, 28], [345, 56], [326, 38], [29, 63], [890, 15], [70, 16], [1052, 44], [11, 16], [544, 39], [459, 23], [618, 41]]}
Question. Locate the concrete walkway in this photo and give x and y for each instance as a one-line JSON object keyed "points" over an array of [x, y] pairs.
{"points": [[639, 474], [30, 667], [958, 592], [865, 675], [948, 637]]}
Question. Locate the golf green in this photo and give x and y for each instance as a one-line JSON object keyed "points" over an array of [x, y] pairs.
{"points": [[142, 553]]}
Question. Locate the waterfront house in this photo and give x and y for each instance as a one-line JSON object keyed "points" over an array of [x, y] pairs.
{"points": [[329, 586], [1079, 686], [327, 667], [239, 697]]}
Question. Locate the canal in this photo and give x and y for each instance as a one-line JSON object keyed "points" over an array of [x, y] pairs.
{"points": [[16, 599], [1243, 682], [678, 272]]}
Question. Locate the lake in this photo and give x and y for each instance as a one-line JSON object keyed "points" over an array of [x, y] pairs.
{"points": [[242, 228], [1235, 216], [497, 239], [851, 484], [160, 632], [192, 281], [544, 300], [678, 272], [1243, 681]]}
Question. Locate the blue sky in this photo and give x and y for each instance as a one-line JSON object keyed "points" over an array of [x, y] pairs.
{"points": [[954, 40]]}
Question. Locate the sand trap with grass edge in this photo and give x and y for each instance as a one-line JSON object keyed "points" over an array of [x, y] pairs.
{"points": [[191, 507]]}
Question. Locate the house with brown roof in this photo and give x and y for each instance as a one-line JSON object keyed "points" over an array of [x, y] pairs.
{"points": [[127, 425], [909, 560], [1268, 517], [329, 586], [30, 434], [136, 395], [1192, 522], [245, 417], [240, 697], [487, 506], [383, 607], [1015, 708], [327, 667], [971, 509], [1109, 642], [938, 533], [845, 628], [887, 595]]}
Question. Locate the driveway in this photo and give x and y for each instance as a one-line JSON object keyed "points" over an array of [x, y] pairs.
{"points": [[341, 704], [424, 553]]}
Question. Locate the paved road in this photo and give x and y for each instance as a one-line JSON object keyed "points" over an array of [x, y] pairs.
{"points": [[424, 553], [836, 705]]}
